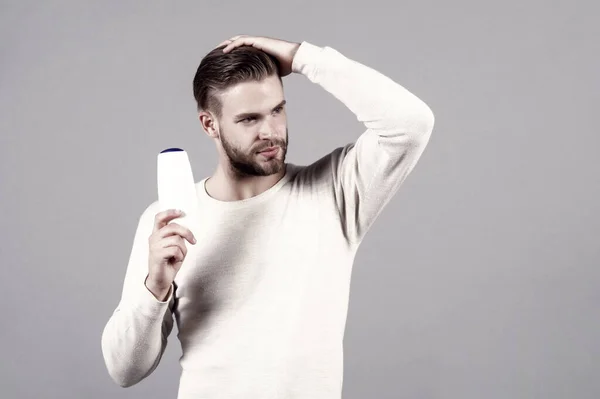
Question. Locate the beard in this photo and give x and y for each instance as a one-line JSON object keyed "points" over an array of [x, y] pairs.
{"points": [[248, 163]]}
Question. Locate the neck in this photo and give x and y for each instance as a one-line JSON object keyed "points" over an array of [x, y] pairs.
{"points": [[228, 186]]}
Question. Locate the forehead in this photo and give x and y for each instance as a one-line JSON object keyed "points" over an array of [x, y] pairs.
{"points": [[252, 96]]}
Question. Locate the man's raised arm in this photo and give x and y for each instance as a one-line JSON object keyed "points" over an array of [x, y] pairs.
{"points": [[368, 172]]}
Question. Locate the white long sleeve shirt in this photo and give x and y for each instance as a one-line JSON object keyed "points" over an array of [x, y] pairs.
{"points": [[261, 300]]}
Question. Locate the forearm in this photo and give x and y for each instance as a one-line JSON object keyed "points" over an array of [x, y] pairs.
{"points": [[384, 106], [134, 339]]}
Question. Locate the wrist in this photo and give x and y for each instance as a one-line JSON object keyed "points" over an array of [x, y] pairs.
{"points": [[160, 291], [295, 47]]}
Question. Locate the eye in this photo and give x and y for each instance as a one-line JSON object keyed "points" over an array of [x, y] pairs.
{"points": [[278, 109], [248, 119]]}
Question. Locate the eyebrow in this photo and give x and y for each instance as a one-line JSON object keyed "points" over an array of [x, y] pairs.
{"points": [[256, 114]]}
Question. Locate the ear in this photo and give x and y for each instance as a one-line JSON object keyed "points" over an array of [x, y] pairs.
{"points": [[209, 123]]}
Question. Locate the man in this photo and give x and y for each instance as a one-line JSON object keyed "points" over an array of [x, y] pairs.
{"points": [[260, 289]]}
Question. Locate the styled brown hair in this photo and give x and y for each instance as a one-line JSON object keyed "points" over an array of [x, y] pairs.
{"points": [[218, 71]]}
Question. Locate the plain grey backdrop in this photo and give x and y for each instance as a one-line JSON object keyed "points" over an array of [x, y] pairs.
{"points": [[479, 280]]}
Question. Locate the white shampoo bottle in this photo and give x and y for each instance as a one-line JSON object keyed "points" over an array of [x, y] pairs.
{"points": [[176, 186]]}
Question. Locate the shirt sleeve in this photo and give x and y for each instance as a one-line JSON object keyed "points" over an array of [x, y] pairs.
{"points": [[368, 172], [135, 336]]}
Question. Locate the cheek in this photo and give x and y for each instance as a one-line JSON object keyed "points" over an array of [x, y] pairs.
{"points": [[281, 124]]}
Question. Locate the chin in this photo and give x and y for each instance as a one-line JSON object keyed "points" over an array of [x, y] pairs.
{"points": [[271, 167]]}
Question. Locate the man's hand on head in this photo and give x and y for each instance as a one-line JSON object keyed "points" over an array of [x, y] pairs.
{"points": [[283, 50]]}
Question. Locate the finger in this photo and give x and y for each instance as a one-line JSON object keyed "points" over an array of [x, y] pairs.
{"points": [[179, 230], [242, 41], [230, 46], [163, 218], [173, 252], [171, 241], [174, 241], [223, 43], [231, 39]]}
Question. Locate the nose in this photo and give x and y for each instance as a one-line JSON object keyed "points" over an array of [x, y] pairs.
{"points": [[268, 129]]}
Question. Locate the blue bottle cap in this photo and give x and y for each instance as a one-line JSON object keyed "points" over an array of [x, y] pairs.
{"points": [[171, 150]]}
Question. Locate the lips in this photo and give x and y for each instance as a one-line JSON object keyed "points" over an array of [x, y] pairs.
{"points": [[270, 149], [269, 152]]}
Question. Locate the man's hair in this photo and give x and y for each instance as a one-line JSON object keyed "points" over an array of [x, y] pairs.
{"points": [[218, 71]]}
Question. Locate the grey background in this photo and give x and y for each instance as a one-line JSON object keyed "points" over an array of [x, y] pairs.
{"points": [[479, 280]]}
